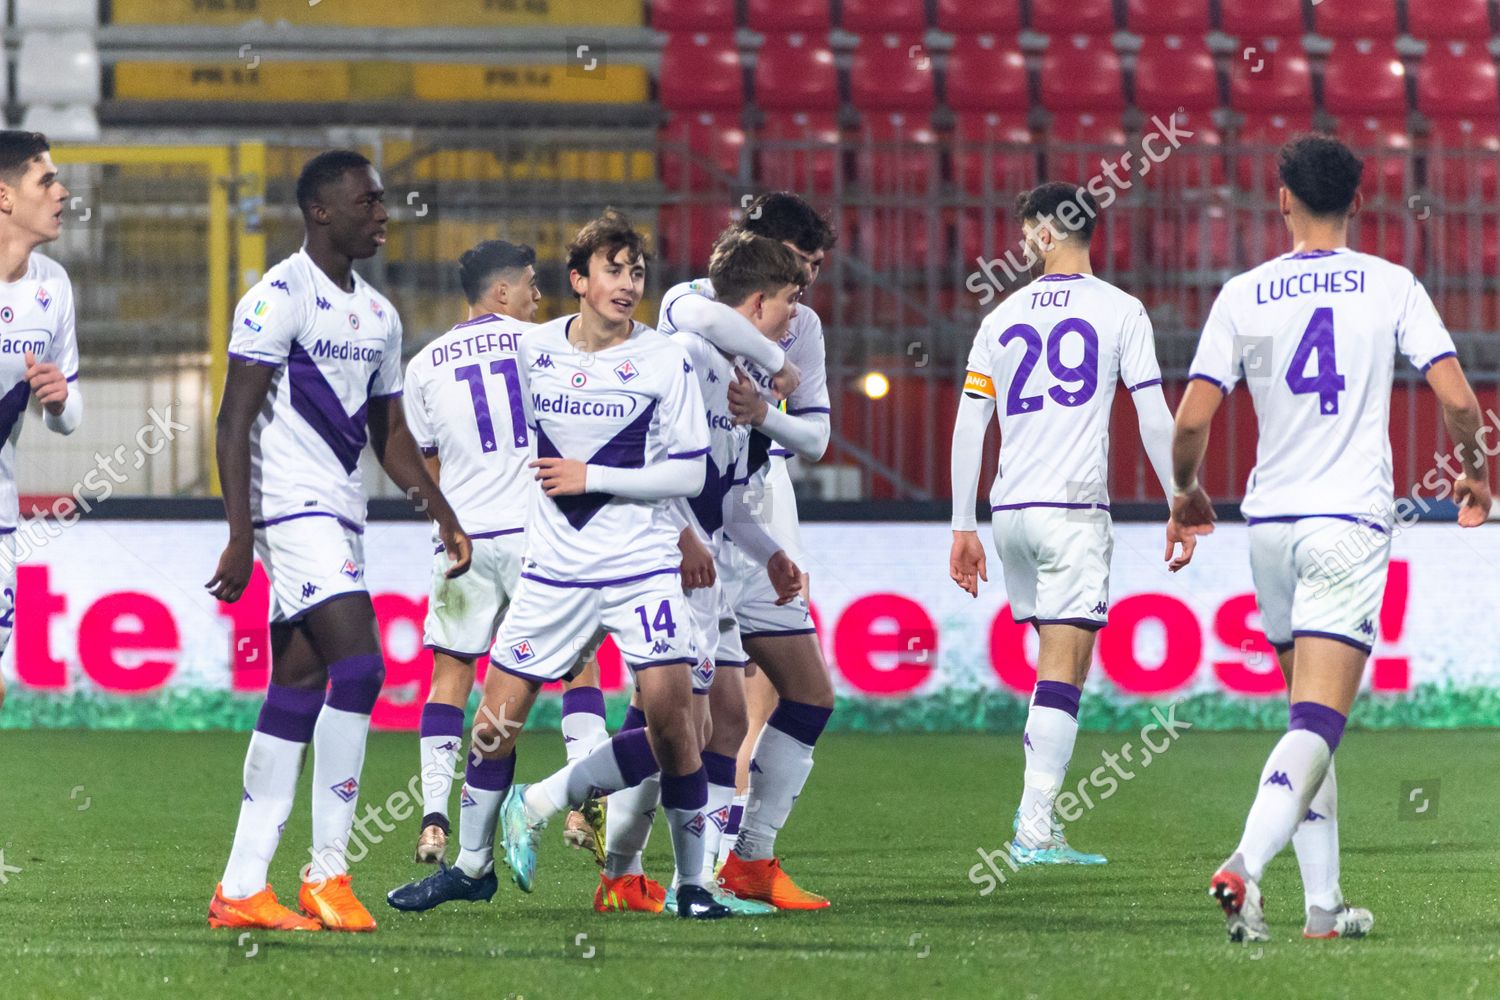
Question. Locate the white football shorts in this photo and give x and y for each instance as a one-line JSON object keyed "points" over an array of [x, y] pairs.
{"points": [[1320, 576], [310, 559], [464, 613], [1056, 563]]}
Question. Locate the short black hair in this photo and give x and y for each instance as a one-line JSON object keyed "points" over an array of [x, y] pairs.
{"points": [[324, 169], [785, 217], [1069, 208], [1322, 172], [611, 232], [18, 148], [478, 267]]}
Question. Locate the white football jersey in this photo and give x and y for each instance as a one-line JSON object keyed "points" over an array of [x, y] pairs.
{"points": [[628, 406], [335, 352], [464, 404], [1050, 356], [803, 345], [1314, 336], [727, 443], [36, 315]]}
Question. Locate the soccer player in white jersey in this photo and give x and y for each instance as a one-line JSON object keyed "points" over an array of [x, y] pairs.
{"points": [[619, 428], [463, 404], [761, 281], [1314, 335], [38, 345], [316, 374], [1049, 357], [778, 636]]}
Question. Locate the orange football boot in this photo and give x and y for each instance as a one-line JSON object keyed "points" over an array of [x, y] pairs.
{"points": [[629, 892], [260, 911], [332, 902], [765, 881]]}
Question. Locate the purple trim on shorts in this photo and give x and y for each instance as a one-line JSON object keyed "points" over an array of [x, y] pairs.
{"points": [[687, 792], [634, 757], [686, 661], [429, 451], [688, 454], [803, 723], [1326, 722], [356, 592], [72, 378], [1047, 503], [244, 358], [719, 768], [780, 452], [735, 664], [808, 409], [453, 652], [7, 531], [290, 713], [599, 583], [1283, 647], [490, 775], [1445, 354], [1145, 385], [441, 720], [775, 634], [487, 534], [1211, 379], [1057, 694], [700, 692], [583, 701], [538, 681], [358, 529], [1289, 518], [1083, 623], [354, 682], [1361, 646], [634, 719]]}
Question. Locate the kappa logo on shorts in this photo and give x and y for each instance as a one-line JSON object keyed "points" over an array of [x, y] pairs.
{"points": [[465, 800], [1365, 628], [309, 589], [626, 371], [1279, 778], [350, 569], [346, 789], [662, 646], [1102, 608], [522, 651]]}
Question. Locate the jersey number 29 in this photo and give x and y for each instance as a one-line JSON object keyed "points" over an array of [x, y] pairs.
{"points": [[1085, 375]]}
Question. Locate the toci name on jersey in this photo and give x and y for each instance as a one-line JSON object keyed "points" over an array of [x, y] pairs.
{"points": [[1309, 283], [480, 343], [608, 405], [346, 352]]}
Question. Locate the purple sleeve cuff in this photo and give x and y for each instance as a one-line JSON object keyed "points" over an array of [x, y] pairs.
{"points": [[1149, 383], [246, 359], [429, 451], [1445, 354], [808, 409], [688, 454], [1210, 379]]}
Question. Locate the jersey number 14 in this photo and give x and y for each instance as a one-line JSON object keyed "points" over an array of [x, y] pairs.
{"points": [[1317, 345]]}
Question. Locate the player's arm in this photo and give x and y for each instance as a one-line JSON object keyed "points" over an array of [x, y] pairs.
{"points": [[1192, 513], [804, 432], [402, 460], [743, 526], [53, 379], [245, 387], [976, 407], [734, 335], [1463, 418]]}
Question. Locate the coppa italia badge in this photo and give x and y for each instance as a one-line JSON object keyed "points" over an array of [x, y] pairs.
{"points": [[7, 314], [579, 380]]}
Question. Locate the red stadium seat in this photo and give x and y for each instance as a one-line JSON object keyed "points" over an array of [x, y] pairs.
{"points": [[1112, 249], [965, 16], [899, 239], [1069, 138], [800, 151], [1002, 141], [701, 72], [892, 73], [1262, 18], [687, 232], [1396, 236], [1167, 17], [1364, 78], [1463, 161], [1271, 76], [884, 15], [1385, 146], [897, 153], [972, 243], [1196, 165], [1258, 138], [1262, 235], [1197, 240], [1171, 73], [1357, 18], [693, 15], [1470, 246], [1068, 17], [986, 75], [713, 144], [1457, 80], [795, 72], [1082, 74], [1450, 19], [789, 15]]}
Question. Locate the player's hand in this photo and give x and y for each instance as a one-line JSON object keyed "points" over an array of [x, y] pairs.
{"points": [[47, 382], [561, 477], [746, 404], [1179, 536], [785, 382], [698, 572], [786, 578], [1194, 513], [966, 564], [457, 544], [1474, 501], [233, 574]]}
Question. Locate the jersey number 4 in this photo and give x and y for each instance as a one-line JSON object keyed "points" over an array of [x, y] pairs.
{"points": [[473, 375], [1327, 383], [1085, 374]]}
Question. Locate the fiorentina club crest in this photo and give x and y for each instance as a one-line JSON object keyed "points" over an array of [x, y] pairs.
{"points": [[350, 569], [43, 299], [626, 371], [465, 800], [375, 308], [720, 817], [521, 651], [346, 789], [695, 825]]}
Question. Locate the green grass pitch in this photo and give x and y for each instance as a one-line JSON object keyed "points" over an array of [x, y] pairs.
{"points": [[113, 842]]}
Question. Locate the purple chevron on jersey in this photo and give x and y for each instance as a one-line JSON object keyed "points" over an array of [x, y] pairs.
{"points": [[12, 404], [317, 403], [626, 450], [708, 506]]}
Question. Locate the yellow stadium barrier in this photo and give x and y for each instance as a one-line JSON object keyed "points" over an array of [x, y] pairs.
{"points": [[283, 82]]}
